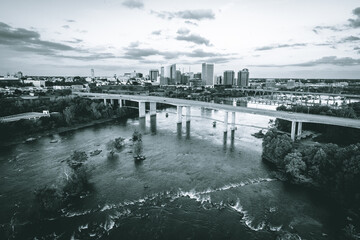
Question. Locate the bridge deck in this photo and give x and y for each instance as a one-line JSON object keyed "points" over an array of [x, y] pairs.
{"points": [[299, 117]]}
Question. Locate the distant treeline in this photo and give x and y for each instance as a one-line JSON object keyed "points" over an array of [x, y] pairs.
{"points": [[70, 110]]}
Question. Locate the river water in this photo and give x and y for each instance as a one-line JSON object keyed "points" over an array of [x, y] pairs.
{"points": [[194, 184]]}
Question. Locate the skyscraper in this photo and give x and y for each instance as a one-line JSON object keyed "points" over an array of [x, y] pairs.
{"points": [[228, 77], [153, 74], [162, 77], [170, 74], [207, 74], [178, 77], [92, 73], [243, 78]]}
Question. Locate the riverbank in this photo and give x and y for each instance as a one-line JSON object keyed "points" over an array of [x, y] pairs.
{"points": [[48, 132], [326, 168]]}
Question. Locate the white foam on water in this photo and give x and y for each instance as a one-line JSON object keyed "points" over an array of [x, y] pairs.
{"points": [[82, 227], [275, 228]]}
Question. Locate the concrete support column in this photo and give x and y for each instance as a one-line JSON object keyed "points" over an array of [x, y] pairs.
{"points": [[225, 121], [112, 102], [293, 127], [152, 108], [179, 114], [188, 112], [299, 131], [105, 101], [234, 103], [233, 121], [142, 112], [120, 103]]}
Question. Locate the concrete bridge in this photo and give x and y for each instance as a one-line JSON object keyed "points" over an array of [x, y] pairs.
{"points": [[296, 118]]}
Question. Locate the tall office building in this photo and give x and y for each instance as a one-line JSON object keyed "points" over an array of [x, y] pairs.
{"points": [[178, 77], [243, 78], [162, 76], [153, 74], [170, 74], [228, 77], [92, 73], [207, 74]]}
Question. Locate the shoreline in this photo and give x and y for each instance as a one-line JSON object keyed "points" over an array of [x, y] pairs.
{"points": [[22, 138]]}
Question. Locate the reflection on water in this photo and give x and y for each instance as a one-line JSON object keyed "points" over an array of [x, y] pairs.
{"points": [[153, 124]]}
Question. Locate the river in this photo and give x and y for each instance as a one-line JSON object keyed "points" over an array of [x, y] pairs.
{"points": [[194, 184]]}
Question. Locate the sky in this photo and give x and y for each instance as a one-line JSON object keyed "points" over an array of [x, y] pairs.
{"points": [[272, 38]]}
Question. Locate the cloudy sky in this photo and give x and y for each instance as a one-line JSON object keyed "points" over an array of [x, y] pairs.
{"points": [[273, 38]]}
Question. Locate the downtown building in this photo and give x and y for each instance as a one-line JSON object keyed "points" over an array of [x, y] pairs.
{"points": [[168, 75], [207, 74], [228, 78], [243, 78], [153, 75]]}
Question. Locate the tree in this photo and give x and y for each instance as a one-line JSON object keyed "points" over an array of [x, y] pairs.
{"points": [[295, 166]]}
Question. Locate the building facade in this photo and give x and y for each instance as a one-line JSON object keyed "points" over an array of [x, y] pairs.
{"points": [[228, 77], [243, 78], [207, 74]]}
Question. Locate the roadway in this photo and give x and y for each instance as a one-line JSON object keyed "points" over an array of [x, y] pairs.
{"points": [[298, 117]]}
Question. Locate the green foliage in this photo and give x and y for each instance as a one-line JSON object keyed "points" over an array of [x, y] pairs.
{"points": [[77, 160], [295, 166], [276, 146], [329, 167], [119, 143], [136, 136]]}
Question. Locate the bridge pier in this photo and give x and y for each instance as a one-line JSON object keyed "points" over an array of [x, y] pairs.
{"points": [[293, 127], [225, 121], [179, 114], [188, 111], [105, 101], [152, 108], [299, 130], [233, 121], [120, 103], [112, 102], [142, 112], [234, 103]]}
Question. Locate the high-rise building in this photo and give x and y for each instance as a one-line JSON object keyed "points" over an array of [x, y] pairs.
{"points": [[228, 77], [197, 76], [153, 74], [178, 77], [162, 76], [243, 78], [207, 74], [92, 73], [219, 80], [170, 74]]}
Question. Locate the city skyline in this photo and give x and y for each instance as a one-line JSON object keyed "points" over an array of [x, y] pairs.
{"points": [[276, 38]]}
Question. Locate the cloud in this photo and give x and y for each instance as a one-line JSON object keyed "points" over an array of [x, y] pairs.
{"points": [[199, 53], [70, 21], [24, 40], [197, 14], [191, 23], [332, 28], [158, 32], [265, 48], [197, 39], [355, 23], [183, 31], [76, 40], [349, 39], [330, 60], [132, 4], [66, 26]]}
